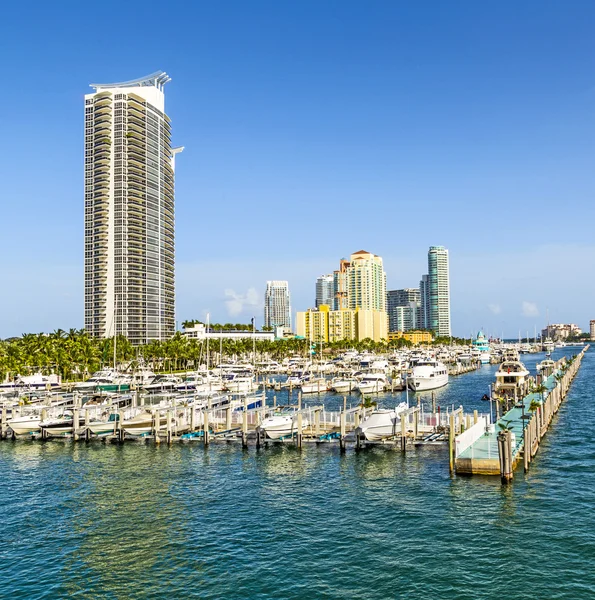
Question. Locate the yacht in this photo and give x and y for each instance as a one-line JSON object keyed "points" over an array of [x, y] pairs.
{"points": [[427, 375], [482, 348], [512, 379], [372, 383], [381, 424], [37, 381], [315, 385], [548, 345], [61, 425], [547, 366], [99, 427], [281, 425], [142, 424], [238, 382], [343, 385], [106, 380], [162, 383], [25, 424]]}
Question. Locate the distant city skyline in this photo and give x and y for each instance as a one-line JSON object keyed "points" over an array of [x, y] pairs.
{"points": [[392, 126]]}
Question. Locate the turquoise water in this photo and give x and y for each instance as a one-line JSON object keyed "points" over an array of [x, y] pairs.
{"points": [[136, 521]]}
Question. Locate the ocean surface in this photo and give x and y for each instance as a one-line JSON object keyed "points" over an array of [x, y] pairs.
{"points": [[97, 520]]}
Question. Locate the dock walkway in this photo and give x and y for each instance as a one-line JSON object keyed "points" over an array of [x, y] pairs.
{"points": [[482, 455]]}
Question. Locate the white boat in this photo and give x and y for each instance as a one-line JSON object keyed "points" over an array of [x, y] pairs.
{"points": [[372, 383], [37, 381], [238, 382], [343, 385], [25, 424], [512, 379], [99, 427], [108, 380], [314, 386], [141, 424], [381, 424], [428, 375], [162, 383], [281, 425], [61, 425]]}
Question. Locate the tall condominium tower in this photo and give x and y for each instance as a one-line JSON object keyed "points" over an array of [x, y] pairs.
{"points": [[404, 309], [129, 211], [438, 292], [277, 304], [325, 291], [340, 285], [425, 303], [366, 282]]}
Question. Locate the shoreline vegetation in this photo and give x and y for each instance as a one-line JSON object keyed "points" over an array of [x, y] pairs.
{"points": [[75, 355]]}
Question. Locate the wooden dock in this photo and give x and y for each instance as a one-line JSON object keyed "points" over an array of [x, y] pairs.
{"points": [[499, 450]]}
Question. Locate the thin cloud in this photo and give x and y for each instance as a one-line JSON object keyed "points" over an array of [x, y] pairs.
{"points": [[530, 309], [237, 303], [495, 308]]}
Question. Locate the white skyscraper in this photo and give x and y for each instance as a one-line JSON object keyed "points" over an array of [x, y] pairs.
{"points": [[325, 291], [277, 305], [129, 211]]}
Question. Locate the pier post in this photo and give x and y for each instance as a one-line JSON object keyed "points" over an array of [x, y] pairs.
{"points": [[505, 455], [168, 425], [317, 422], [274, 402], [156, 424], [404, 431], [227, 418], [299, 422], [44, 416], [87, 431], [343, 425], [3, 427], [245, 424], [120, 420], [205, 426], [475, 417], [75, 423], [192, 417], [433, 402], [451, 443]]}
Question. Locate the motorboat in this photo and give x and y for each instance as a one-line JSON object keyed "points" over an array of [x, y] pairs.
{"points": [[427, 375], [372, 383], [37, 381], [162, 383], [512, 379], [106, 380], [238, 382], [282, 424], [382, 423], [25, 424], [61, 425], [547, 366], [315, 385], [141, 424], [99, 427], [343, 385]]}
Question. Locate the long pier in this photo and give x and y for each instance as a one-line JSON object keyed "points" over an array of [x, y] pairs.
{"points": [[498, 450]]}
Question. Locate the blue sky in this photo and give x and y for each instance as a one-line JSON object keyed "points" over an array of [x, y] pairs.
{"points": [[313, 130]]}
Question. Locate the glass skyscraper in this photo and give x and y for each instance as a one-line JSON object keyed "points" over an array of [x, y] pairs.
{"points": [[438, 291]]}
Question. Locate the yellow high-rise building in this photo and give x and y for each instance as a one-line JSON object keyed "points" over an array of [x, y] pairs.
{"points": [[325, 325]]}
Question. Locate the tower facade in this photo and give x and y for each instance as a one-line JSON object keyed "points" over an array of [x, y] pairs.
{"points": [[129, 211], [366, 282], [438, 291], [277, 304], [325, 291]]}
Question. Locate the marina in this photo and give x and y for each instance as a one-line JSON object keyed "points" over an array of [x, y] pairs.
{"points": [[220, 525], [203, 409]]}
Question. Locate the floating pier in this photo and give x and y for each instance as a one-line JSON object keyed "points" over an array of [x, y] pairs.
{"points": [[498, 450]]}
